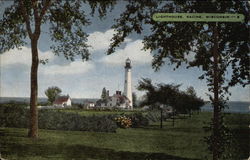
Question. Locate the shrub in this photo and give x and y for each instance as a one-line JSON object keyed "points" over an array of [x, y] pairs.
{"points": [[14, 116], [138, 120], [123, 121], [155, 115]]}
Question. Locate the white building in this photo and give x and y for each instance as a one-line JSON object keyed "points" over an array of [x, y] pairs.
{"points": [[119, 100], [89, 105], [62, 101], [128, 82], [116, 101]]}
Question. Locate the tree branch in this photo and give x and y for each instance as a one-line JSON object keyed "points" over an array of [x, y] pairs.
{"points": [[34, 6], [45, 7], [26, 17]]}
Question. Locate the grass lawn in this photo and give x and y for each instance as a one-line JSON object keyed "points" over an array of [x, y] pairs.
{"points": [[184, 141]]}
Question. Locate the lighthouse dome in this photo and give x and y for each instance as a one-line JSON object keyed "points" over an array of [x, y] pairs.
{"points": [[128, 63], [128, 60]]}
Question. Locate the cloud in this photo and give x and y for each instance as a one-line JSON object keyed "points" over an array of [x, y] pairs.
{"points": [[15, 59], [101, 40], [76, 67], [22, 56], [16, 56], [133, 50]]}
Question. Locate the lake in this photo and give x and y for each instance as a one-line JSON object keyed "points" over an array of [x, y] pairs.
{"points": [[42, 100], [233, 107]]}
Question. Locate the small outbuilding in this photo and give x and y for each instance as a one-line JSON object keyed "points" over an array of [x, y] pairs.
{"points": [[89, 105], [62, 101]]}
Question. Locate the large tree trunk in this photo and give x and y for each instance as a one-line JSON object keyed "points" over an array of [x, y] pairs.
{"points": [[34, 36], [216, 114], [33, 130]]}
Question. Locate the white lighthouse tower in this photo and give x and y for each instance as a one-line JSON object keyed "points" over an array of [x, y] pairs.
{"points": [[127, 83]]}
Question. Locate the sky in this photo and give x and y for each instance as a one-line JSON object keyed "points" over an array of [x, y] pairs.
{"points": [[87, 79]]}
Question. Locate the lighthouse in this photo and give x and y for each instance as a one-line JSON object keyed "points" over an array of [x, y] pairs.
{"points": [[127, 83]]}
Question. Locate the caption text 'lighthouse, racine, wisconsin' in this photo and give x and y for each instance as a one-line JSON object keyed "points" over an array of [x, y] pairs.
{"points": [[128, 83]]}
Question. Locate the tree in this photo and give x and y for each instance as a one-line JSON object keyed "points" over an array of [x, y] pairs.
{"points": [[150, 98], [194, 102], [191, 91], [134, 98], [66, 21], [104, 94], [217, 48], [169, 95], [52, 93]]}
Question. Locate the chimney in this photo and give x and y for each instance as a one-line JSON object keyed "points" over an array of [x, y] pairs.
{"points": [[118, 92], [107, 93]]}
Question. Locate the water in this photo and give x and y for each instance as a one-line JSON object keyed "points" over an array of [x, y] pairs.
{"points": [[233, 107], [41, 100]]}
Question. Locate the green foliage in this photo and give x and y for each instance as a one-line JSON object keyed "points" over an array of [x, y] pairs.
{"points": [[52, 93], [175, 41], [66, 20], [13, 31], [184, 141], [104, 94], [133, 119], [134, 98], [139, 120], [71, 121], [221, 50], [170, 95], [155, 116], [189, 99], [15, 116], [180, 143], [123, 121], [12, 115]]}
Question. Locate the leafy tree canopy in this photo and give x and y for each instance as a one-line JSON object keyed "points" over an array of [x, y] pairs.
{"points": [[134, 99], [104, 94], [52, 93], [179, 41], [170, 95], [221, 50], [66, 21]]}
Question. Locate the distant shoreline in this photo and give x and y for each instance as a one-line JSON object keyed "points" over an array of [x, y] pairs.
{"points": [[41, 100], [234, 106], [45, 98]]}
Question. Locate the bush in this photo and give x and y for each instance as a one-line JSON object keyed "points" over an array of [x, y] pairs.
{"points": [[137, 120], [14, 116], [155, 115], [123, 121]]}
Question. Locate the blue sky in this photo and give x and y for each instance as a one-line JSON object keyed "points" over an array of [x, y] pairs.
{"points": [[86, 79]]}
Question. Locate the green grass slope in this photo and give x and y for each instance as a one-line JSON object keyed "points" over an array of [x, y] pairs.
{"points": [[184, 142]]}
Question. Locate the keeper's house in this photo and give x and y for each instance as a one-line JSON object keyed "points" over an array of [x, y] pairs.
{"points": [[62, 101]]}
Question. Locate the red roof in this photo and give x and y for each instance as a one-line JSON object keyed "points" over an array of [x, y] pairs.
{"points": [[61, 99]]}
